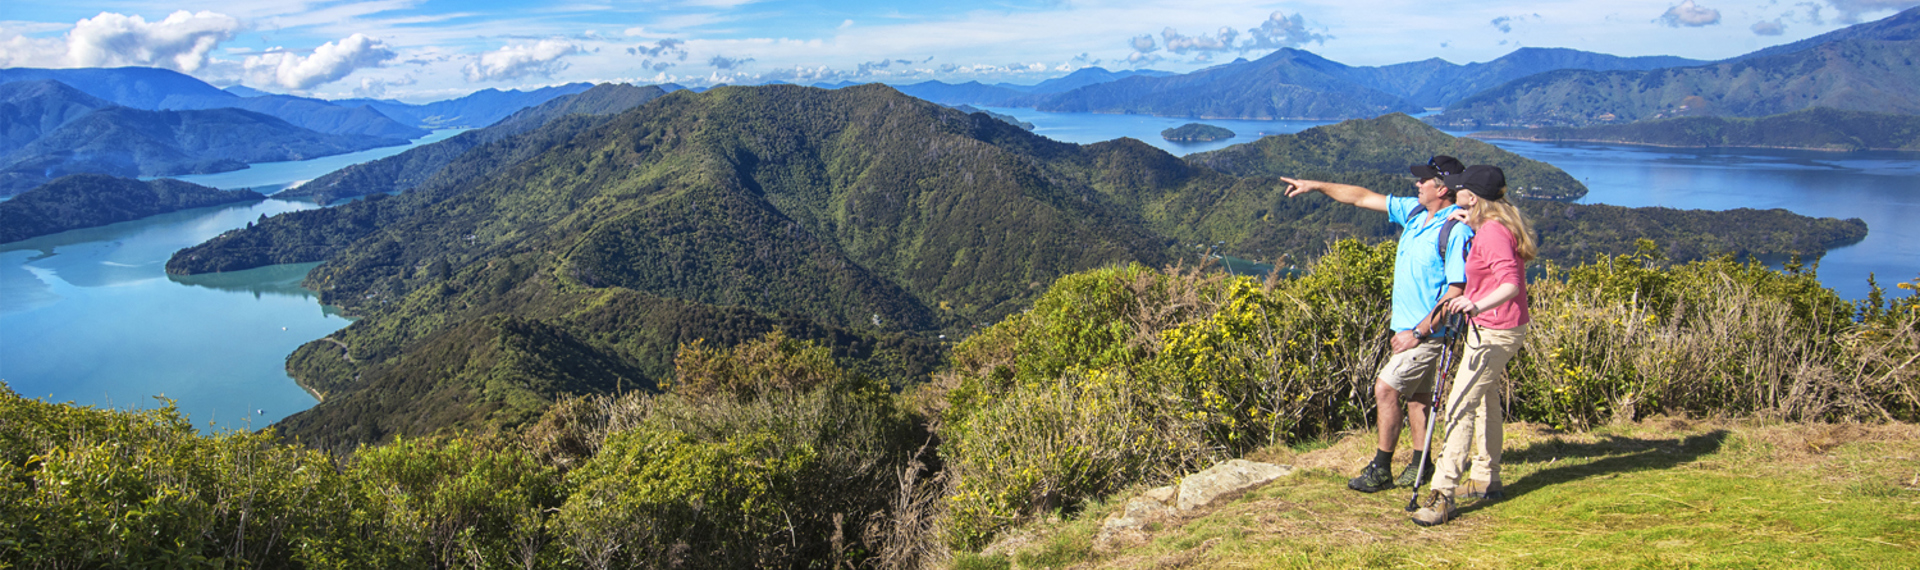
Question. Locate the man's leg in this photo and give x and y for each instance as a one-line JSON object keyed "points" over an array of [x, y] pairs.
{"points": [[1386, 402]]}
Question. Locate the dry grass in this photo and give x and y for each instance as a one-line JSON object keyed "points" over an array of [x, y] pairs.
{"points": [[1659, 492]]}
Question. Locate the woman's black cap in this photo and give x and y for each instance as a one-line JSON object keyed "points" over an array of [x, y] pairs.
{"points": [[1488, 182], [1438, 167]]}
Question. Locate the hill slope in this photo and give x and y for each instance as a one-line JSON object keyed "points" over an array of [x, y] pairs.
{"points": [[1816, 128], [1857, 72], [411, 168], [87, 200], [129, 142], [1288, 84]]}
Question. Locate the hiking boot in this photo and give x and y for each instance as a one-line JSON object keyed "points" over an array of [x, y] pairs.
{"points": [[1412, 471], [1373, 479], [1481, 490], [1435, 509]]}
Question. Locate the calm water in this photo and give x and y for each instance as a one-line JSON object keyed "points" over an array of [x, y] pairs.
{"points": [[90, 316], [1882, 188]]}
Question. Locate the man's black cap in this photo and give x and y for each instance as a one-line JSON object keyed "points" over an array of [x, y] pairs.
{"points": [[1489, 182], [1438, 167]]}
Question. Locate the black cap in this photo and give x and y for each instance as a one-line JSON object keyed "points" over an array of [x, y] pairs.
{"points": [[1438, 167], [1488, 182]]}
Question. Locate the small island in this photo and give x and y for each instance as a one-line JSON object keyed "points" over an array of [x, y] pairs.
{"points": [[1196, 132]]}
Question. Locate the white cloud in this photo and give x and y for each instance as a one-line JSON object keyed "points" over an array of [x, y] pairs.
{"points": [[517, 61], [1689, 15], [1767, 28], [724, 62], [1220, 41], [180, 42], [1282, 31], [330, 62]]}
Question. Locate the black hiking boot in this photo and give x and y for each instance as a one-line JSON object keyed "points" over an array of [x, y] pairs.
{"points": [[1413, 470], [1373, 479]]}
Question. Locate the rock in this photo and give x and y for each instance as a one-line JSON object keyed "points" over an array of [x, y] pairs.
{"points": [[1226, 480], [1129, 527]]}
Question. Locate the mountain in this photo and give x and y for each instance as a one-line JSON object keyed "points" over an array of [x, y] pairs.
{"points": [[88, 200], [1817, 128], [156, 89], [1858, 72], [29, 109], [417, 165], [1385, 144], [1082, 78], [1901, 27], [576, 257], [479, 109], [971, 92], [149, 88], [326, 117], [1438, 83], [130, 142], [1287, 84]]}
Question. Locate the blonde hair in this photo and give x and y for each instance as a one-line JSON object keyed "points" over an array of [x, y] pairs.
{"points": [[1510, 216]]}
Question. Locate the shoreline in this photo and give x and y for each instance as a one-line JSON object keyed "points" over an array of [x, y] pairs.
{"points": [[1492, 135]]}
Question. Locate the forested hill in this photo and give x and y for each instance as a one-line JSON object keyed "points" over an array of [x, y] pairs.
{"points": [[1818, 128], [417, 165], [87, 200], [1385, 144], [577, 257]]}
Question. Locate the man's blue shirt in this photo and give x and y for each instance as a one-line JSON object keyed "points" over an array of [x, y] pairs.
{"points": [[1419, 274]]}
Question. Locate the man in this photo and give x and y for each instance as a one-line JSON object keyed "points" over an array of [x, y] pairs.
{"points": [[1422, 278]]}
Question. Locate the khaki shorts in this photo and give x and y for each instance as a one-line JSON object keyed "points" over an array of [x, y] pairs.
{"points": [[1412, 371]]}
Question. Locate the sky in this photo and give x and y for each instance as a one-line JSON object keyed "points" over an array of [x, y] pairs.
{"points": [[426, 50]]}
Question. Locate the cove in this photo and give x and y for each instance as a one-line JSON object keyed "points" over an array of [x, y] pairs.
{"points": [[90, 316]]}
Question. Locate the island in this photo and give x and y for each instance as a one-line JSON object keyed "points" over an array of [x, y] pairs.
{"points": [[1196, 132]]}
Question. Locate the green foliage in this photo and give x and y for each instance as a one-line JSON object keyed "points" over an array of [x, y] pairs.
{"points": [[1124, 375], [88, 200]]}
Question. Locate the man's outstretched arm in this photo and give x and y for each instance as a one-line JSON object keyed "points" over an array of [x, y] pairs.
{"points": [[1342, 193]]}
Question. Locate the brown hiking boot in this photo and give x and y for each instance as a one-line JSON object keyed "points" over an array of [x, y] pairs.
{"points": [[1480, 490], [1435, 508]]}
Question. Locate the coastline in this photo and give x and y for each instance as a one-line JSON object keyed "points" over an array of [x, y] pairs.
{"points": [[1495, 135]]}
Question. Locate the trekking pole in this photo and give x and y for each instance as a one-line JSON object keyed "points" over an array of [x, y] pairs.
{"points": [[1453, 323]]}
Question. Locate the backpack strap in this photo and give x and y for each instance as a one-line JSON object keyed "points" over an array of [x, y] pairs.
{"points": [[1446, 231]]}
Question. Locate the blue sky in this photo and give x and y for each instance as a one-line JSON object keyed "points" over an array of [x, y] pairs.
{"points": [[422, 50]]}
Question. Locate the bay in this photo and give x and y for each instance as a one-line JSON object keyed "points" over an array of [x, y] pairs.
{"points": [[1881, 188], [90, 316]]}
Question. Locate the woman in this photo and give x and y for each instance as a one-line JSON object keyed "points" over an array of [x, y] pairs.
{"points": [[1495, 303]]}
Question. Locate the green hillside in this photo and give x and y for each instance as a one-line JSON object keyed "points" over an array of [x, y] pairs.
{"points": [[860, 218], [406, 170], [88, 200], [1817, 128]]}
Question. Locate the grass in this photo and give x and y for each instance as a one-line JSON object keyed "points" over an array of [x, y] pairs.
{"points": [[1658, 493]]}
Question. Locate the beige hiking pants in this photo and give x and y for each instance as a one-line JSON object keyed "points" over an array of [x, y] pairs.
{"points": [[1473, 409]]}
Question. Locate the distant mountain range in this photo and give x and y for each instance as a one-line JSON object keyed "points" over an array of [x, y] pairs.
{"points": [[1872, 67], [419, 165], [54, 130], [87, 200], [154, 89], [1818, 128], [479, 109]]}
